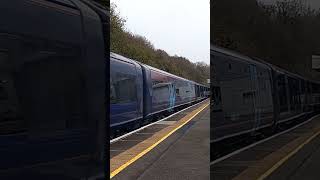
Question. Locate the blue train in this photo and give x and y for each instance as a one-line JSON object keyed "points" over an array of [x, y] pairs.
{"points": [[140, 93]]}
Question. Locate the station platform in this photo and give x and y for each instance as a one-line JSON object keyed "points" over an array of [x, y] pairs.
{"points": [[292, 154], [176, 148]]}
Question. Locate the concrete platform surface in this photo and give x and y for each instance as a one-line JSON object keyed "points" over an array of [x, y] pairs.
{"points": [[183, 154]]}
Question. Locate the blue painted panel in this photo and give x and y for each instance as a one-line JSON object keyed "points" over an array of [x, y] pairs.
{"points": [[121, 113]]}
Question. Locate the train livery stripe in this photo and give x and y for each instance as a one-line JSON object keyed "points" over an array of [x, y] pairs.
{"points": [[122, 167]]}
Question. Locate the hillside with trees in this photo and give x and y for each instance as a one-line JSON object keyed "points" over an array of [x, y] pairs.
{"points": [[140, 49], [284, 33]]}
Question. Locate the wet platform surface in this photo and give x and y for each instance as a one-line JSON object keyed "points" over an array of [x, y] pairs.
{"points": [[183, 152], [292, 155]]}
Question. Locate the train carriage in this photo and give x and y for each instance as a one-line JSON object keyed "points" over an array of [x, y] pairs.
{"points": [[250, 94], [126, 91], [140, 93]]}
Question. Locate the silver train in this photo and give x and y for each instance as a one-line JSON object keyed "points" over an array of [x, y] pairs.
{"points": [[250, 95]]}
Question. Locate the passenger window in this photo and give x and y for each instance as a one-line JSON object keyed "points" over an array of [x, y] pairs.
{"points": [[125, 87]]}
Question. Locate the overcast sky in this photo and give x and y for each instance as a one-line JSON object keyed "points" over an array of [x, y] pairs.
{"points": [[180, 27]]}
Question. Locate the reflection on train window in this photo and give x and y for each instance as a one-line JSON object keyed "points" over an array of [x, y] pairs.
{"points": [[11, 120], [125, 87], [160, 92]]}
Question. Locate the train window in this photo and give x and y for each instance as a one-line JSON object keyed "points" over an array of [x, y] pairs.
{"points": [[125, 87], [282, 90], [161, 92]]}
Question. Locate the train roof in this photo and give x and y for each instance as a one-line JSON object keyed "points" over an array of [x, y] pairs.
{"points": [[236, 54], [120, 57], [256, 60]]}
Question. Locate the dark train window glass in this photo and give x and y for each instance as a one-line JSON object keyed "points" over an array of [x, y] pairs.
{"points": [[293, 93], [125, 87], [302, 86], [282, 93], [11, 118]]}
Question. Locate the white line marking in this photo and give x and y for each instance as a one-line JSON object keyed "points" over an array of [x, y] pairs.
{"points": [[259, 142], [143, 127]]}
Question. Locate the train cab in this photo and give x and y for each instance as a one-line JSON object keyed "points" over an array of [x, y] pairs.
{"points": [[126, 91]]}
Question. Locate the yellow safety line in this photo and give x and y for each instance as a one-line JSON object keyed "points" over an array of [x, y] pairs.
{"points": [[118, 170], [279, 163]]}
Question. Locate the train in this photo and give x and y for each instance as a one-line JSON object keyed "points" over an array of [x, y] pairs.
{"points": [[250, 95], [52, 89], [140, 93]]}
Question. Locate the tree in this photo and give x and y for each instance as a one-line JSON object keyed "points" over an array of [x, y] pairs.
{"points": [[141, 49]]}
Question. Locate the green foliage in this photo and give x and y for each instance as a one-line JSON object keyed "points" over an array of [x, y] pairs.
{"points": [[285, 33], [140, 49], [105, 3]]}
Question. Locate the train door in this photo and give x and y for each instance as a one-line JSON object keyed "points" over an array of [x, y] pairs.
{"points": [[303, 94], [235, 113], [43, 106], [256, 96], [172, 96], [282, 94], [263, 104]]}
